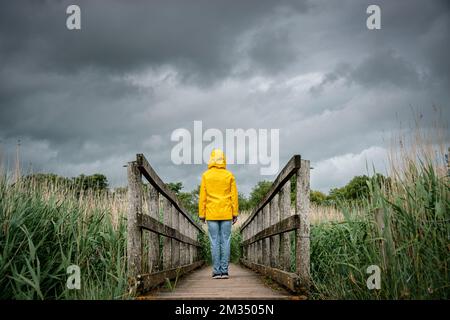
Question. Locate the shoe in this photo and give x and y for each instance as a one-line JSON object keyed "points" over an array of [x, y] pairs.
{"points": [[216, 276], [224, 276]]}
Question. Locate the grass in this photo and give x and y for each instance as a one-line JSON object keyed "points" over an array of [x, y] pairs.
{"points": [[45, 229], [403, 228]]}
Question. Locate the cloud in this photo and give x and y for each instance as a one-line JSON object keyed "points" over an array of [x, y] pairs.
{"points": [[336, 171], [87, 101]]}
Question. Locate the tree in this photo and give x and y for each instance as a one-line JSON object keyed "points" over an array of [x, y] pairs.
{"points": [[258, 193], [317, 197], [175, 187], [97, 182], [244, 204]]}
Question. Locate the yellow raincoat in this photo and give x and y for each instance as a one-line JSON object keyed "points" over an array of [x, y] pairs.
{"points": [[218, 192]]}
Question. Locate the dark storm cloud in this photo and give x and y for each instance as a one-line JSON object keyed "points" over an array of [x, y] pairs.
{"points": [[196, 36], [86, 101], [383, 68]]}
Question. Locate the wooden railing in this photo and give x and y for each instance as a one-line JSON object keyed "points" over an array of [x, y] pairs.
{"points": [[275, 241], [162, 236]]}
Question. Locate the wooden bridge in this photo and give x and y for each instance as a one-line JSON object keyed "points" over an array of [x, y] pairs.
{"points": [[164, 241]]}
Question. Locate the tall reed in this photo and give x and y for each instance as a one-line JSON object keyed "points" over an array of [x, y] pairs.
{"points": [[403, 227], [46, 228]]}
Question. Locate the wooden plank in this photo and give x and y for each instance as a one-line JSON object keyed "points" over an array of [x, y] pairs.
{"points": [[286, 225], [253, 228], [150, 281], [134, 238], [275, 239], [244, 248], [285, 174], [196, 249], [285, 212], [182, 248], [186, 248], [149, 223], [266, 241], [167, 243], [242, 284], [175, 243], [302, 234], [287, 279], [259, 242], [191, 248], [149, 173], [153, 210]]}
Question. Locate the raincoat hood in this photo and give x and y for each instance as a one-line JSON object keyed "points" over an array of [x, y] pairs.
{"points": [[217, 159]]}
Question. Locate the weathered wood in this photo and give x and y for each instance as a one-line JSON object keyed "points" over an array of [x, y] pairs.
{"points": [[153, 211], [149, 223], [264, 251], [149, 281], [243, 284], [182, 247], [266, 241], [134, 238], [196, 249], [167, 244], [285, 212], [254, 245], [175, 242], [191, 248], [285, 174], [302, 234], [244, 248], [259, 228], [149, 173], [287, 279], [286, 225], [186, 248], [275, 239]]}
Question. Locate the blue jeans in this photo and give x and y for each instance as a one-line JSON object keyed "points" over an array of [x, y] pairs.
{"points": [[220, 236]]}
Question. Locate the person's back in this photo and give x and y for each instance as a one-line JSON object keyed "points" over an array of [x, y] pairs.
{"points": [[218, 205]]}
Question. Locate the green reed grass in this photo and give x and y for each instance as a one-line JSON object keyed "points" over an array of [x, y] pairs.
{"points": [[43, 233], [412, 249]]}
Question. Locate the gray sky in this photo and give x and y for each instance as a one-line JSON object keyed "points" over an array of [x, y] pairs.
{"points": [[86, 101]]}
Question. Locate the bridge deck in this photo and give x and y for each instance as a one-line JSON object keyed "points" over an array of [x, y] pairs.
{"points": [[242, 284]]}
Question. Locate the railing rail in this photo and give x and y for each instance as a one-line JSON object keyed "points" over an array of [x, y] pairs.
{"points": [[272, 233], [162, 236]]}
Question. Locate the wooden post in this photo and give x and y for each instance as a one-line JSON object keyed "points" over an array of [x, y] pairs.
{"points": [[259, 223], [134, 242], [191, 248], [196, 250], [153, 209], [302, 234], [182, 245], [274, 240], [252, 246], [245, 248], [175, 243], [167, 246], [285, 212], [186, 246], [266, 241]]}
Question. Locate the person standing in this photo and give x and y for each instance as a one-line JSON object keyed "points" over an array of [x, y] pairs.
{"points": [[218, 206]]}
